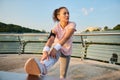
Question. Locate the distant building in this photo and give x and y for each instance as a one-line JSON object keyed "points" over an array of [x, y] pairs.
{"points": [[90, 29]]}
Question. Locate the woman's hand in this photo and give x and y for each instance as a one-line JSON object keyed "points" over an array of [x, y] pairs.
{"points": [[53, 53], [45, 56]]}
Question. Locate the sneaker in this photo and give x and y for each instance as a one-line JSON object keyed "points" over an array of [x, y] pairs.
{"points": [[34, 67]]}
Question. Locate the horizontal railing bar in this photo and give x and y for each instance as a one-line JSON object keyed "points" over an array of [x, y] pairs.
{"points": [[78, 34], [103, 43], [97, 34], [25, 41], [24, 34], [43, 41]]}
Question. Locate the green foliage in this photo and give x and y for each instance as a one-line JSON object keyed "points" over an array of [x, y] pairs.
{"points": [[106, 28], [96, 30], [87, 30], [117, 27], [11, 28]]}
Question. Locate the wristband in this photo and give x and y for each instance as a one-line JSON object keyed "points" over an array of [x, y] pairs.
{"points": [[46, 48], [57, 46]]}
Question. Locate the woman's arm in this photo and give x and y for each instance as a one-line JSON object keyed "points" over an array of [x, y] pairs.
{"points": [[51, 38], [67, 35], [48, 44]]}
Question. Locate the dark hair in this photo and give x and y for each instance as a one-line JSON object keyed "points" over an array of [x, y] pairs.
{"points": [[56, 12]]}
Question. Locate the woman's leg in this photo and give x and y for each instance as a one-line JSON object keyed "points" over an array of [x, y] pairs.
{"points": [[64, 63], [51, 61], [35, 67]]}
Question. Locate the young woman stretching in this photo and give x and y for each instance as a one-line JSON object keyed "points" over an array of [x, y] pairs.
{"points": [[58, 45]]}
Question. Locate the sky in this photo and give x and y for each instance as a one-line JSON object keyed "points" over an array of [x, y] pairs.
{"points": [[37, 14]]}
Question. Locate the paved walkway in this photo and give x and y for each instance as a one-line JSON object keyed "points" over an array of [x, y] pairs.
{"points": [[78, 70]]}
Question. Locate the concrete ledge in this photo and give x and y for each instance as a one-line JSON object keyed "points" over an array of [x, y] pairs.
{"points": [[21, 76]]}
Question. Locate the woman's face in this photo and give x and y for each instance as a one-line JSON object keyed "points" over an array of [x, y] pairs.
{"points": [[63, 15]]}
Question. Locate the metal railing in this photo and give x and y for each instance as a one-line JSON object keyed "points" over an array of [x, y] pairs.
{"points": [[82, 46]]}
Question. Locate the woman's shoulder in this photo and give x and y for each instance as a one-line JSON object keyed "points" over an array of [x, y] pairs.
{"points": [[72, 23], [56, 26]]}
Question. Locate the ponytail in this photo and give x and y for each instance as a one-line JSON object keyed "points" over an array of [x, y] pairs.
{"points": [[56, 12]]}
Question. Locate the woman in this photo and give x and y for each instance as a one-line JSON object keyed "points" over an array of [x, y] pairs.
{"points": [[59, 44]]}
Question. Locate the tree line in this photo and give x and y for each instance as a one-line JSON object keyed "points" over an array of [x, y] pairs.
{"points": [[106, 28], [12, 28], [117, 27]]}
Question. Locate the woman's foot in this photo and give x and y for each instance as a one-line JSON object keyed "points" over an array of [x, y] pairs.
{"points": [[34, 67]]}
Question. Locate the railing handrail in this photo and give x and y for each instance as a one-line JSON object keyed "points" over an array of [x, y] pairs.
{"points": [[46, 34], [25, 34], [84, 44], [96, 34]]}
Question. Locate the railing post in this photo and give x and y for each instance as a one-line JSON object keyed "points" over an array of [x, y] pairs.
{"points": [[84, 48], [19, 52], [21, 47], [83, 44]]}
